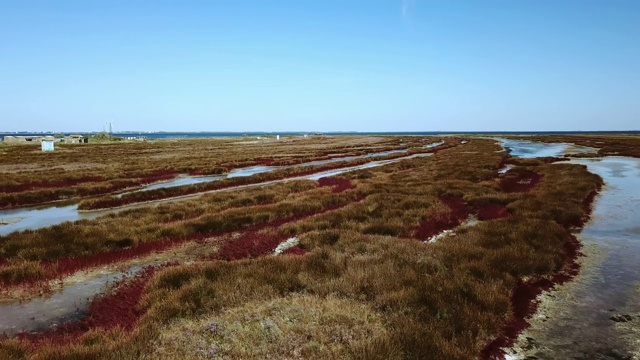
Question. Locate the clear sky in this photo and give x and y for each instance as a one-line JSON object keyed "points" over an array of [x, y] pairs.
{"points": [[320, 65]]}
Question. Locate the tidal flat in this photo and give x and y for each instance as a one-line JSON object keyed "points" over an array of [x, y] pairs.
{"points": [[173, 254]]}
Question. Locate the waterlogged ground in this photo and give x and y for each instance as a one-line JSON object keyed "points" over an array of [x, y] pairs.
{"points": [[604, 297], [69, 301], [597, 315], [31, 218], [38, 217], [66, 300], [49, 311], [532, 149]]}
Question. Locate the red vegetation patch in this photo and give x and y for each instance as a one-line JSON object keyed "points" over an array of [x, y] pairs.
{"points": [[524, 297], [253, 243], [524, 301], [70, 265], [295, 250], [158, 175], [117, 309], [250, 245], [586, 208], [459, 211], [519, 180], [459, 208], [492, 211], [587, 203], [339, 185], [265, 161]]}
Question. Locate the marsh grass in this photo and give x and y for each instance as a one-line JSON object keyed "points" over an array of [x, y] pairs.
{"points": [[446, 300], [19, 271], [291, 327], [69, 247], [74, 171]]}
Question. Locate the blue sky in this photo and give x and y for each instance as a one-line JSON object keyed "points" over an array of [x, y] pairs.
{"points": [[320, 65]]}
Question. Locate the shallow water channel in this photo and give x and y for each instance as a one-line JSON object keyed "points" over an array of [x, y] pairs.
{"points": [[38, 217], [533, 149], [597, 315], [48, 312], [70, 302], [31, 218]]}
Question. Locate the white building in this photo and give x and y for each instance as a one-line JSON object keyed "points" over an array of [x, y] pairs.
{"points": [[47, 145]]}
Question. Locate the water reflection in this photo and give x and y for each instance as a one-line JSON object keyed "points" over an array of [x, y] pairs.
{"points": [[40, 217], [45, 313], [181, 181], [361, 167], [532, 149], [432, 145], [581, 326]]}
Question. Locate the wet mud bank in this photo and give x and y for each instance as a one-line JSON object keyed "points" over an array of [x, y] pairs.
{"points": [[117, 308], [64, 305], [49, 312]]}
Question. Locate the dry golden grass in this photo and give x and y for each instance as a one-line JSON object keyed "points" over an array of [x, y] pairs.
{"points": [[291, 327], [16, 271], [363, 273], [63, 175]]}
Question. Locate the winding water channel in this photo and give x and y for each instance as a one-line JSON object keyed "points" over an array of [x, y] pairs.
{"points": [[47, 312], [71, 300], [36, 217], [597, 315]]}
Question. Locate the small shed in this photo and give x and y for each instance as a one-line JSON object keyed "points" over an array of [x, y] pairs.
{"points": [[47, 145], [76, 139]]}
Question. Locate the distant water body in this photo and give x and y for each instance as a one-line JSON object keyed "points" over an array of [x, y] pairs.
{"points": [[166, 135]]}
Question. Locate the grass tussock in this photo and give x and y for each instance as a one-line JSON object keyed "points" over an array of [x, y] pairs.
{"points": [[519, 180], [291, 327], [17, 271]]}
